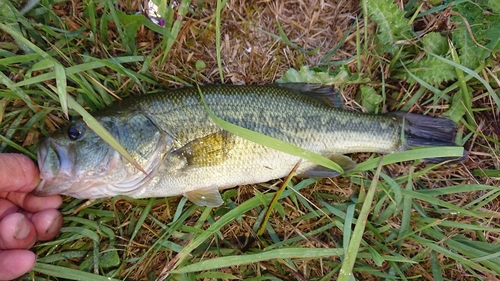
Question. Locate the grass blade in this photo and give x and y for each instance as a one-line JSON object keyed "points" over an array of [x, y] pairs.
{"points": [[357, 235], [288, 253], [68, 273], [415, 154]]}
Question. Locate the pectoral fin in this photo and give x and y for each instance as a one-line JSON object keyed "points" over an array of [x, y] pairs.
{"points": [[208, 150], [343, 161], [205, 197]]}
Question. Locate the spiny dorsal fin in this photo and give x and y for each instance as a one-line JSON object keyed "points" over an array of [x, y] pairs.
{"points": [[327, 95]]}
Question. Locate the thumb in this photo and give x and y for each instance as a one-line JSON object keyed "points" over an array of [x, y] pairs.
{"points": [[17, 173]]}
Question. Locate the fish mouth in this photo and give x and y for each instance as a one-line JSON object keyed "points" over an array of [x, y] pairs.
{"points": [[56, 163]]}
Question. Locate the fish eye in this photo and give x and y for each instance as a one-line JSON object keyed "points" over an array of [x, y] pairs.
{"points": [[75, 132]]}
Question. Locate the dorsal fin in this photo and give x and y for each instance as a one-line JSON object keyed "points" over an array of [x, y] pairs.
{"points": [[327, 95]]}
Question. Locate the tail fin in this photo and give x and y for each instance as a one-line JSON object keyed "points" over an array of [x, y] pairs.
{"points": [[421, 130]]}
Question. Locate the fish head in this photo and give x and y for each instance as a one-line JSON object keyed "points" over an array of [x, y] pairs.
{"points": [[77, 162]]}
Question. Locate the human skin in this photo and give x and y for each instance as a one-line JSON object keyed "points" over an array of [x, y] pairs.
{"points": [[24, 217]]}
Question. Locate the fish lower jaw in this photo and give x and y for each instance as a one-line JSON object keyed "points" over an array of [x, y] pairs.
{"points": [[51, 186]]}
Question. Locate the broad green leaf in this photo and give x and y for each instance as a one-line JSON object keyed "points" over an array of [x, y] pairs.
{"points": [[391, 21], [130, 24], [109, 258], [457, 109], [431, 70], [434, 42], [495, 5], [306, 75], [371, 99]]}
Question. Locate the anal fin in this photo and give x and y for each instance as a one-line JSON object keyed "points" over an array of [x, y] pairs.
{"points": [[343, 161], [209, 197]]}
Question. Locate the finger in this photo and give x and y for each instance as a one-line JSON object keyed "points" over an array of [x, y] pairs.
{"points": [[32, 203], [15, 263], [7, 208], [16, 232], [47, 223]]}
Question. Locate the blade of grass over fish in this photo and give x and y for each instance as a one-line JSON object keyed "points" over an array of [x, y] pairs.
{"points": [[414, 154], [277, 195], [292, 253], [271, 142], [69, 273], [357, 235], [103, 133]]}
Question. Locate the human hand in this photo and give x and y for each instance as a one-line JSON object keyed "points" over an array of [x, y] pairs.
{"points": [[24, 217]]}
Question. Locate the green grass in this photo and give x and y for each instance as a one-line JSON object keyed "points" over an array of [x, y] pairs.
{"points": [[393, 218]]}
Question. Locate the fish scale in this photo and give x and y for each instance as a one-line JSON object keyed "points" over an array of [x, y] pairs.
{"points": [[185, 153]]}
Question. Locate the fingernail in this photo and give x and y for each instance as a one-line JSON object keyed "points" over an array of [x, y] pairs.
{"points": [[22, 228], [54, 225]]}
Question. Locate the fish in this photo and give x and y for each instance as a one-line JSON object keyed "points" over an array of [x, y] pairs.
{"points": [[184, 152]]}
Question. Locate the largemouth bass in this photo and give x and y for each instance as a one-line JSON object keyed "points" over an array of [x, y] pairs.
{"points": [[184, 152]]}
